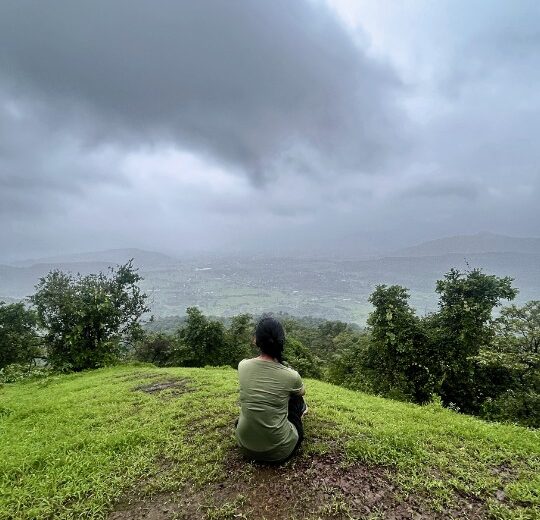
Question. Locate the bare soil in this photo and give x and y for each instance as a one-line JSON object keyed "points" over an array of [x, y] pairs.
{"points": [[174, 387], [319, 486]]}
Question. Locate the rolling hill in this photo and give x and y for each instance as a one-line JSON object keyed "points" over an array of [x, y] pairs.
{"points": [[473, 244], [134, 442], [110, 256]]}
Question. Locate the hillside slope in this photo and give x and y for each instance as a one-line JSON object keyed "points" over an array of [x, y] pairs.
{"points": [[141, 257], [141, 442], [474, 244]]}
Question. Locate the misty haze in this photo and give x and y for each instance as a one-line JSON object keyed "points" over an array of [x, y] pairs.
{"points": [[334, 286], [345, 190]]}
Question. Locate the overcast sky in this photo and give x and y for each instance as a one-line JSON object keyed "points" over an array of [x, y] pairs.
{"points": [[237, 126]]}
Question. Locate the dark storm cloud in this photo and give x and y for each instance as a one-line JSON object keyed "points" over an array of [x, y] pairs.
{"points": [[41, 165], [260, 86], [209, 124]]}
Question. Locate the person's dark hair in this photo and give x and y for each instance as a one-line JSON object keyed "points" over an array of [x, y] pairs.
{"points": [[270, 337]]}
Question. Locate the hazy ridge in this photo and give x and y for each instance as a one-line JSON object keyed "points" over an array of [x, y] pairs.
{"points": [[320, 287], [471, 244]]}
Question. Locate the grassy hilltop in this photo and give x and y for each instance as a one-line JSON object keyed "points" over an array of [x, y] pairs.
{"points": [[142, 442]]}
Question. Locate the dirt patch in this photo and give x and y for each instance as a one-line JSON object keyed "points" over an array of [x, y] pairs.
{"points": [[506, 472], [320, 486], [167, 387], [317, 486]]}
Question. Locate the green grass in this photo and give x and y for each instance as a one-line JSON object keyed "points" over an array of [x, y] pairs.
{"points": [[72, 445]]}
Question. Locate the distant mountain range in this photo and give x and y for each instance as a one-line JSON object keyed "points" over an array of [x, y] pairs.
{"points": [[473, 244], [331, 288], [111, 256], [461, 244]]}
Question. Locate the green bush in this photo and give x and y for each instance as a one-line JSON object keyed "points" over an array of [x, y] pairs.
{"points": [[155, 348], [18, 372], [19, 340], [521, 407]]}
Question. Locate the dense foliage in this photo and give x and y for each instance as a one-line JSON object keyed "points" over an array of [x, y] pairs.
{"points": [[88, 320], [511, 368], [201, 341], [460, 354], [19, 340], [463, 327], [399, 351]]}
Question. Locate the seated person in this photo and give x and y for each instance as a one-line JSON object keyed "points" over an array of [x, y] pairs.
{"points": [[270, 425]]}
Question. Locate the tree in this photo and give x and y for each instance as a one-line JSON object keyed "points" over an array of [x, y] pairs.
{"points": [[316, 333], [463, 327], [19, 340], [301, 358], [518, 328], [240, 335], [509, 373], [89, 320], [400, 349], [201, 341], [348, 365], [155, 348]]}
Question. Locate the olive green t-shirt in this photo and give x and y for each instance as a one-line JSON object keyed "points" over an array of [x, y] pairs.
{"points": [[263, 431]]}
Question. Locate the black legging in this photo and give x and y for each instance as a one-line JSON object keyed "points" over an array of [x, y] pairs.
{"points": [[294, 415]]}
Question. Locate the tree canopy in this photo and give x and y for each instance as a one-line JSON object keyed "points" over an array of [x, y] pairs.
{"points": [[88, 320]]}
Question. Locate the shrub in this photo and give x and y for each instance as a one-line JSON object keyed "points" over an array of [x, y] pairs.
{"points": [[19, 340], [18, 372], [156, 348], [522, 407]]}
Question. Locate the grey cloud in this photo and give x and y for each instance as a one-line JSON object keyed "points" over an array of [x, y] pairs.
{"points": [[41, 166], [443, 187], [247, 82], [500, 56], [94, 96]]}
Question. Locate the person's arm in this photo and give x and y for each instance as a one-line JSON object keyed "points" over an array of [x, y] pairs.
{"points": [[298, 385]]}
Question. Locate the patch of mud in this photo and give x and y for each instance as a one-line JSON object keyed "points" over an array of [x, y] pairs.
{"points": [[506, 472], [169, 387], [319, 486]]}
